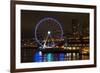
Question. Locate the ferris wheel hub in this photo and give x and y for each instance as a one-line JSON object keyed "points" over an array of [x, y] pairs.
{"points": [[49, 32]]}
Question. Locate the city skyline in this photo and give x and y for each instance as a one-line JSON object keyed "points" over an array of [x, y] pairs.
{"points": [[29, 19]]}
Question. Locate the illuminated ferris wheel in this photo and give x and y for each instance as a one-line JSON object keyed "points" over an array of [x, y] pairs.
{"points": [[47, 30]]}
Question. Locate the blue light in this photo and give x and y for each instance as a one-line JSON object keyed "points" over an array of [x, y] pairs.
{"points": [[61, 56], [37, 56], [49, 57]]}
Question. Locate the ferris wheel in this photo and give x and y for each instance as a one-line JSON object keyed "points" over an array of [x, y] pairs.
{"points": [[48, 28]]}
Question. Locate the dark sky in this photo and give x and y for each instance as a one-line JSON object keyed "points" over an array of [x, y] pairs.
{"points": [[29, 19]]}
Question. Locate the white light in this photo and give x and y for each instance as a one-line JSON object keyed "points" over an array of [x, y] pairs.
{"points": [[40, 53], [49, 32]]}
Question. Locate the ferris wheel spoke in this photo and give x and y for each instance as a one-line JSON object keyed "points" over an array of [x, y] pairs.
{"points": [[51, 31]]}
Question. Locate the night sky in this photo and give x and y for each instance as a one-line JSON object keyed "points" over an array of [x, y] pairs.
{"points": [[29, 19]]}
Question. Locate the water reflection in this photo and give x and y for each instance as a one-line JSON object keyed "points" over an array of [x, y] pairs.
{"points": [[48, 55]]}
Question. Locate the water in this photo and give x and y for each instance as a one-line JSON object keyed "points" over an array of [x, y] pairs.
{"points": [[31, 55], [48, 57]]}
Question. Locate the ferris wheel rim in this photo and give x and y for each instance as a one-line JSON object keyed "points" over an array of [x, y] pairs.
{"points": [[42, 20]]}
